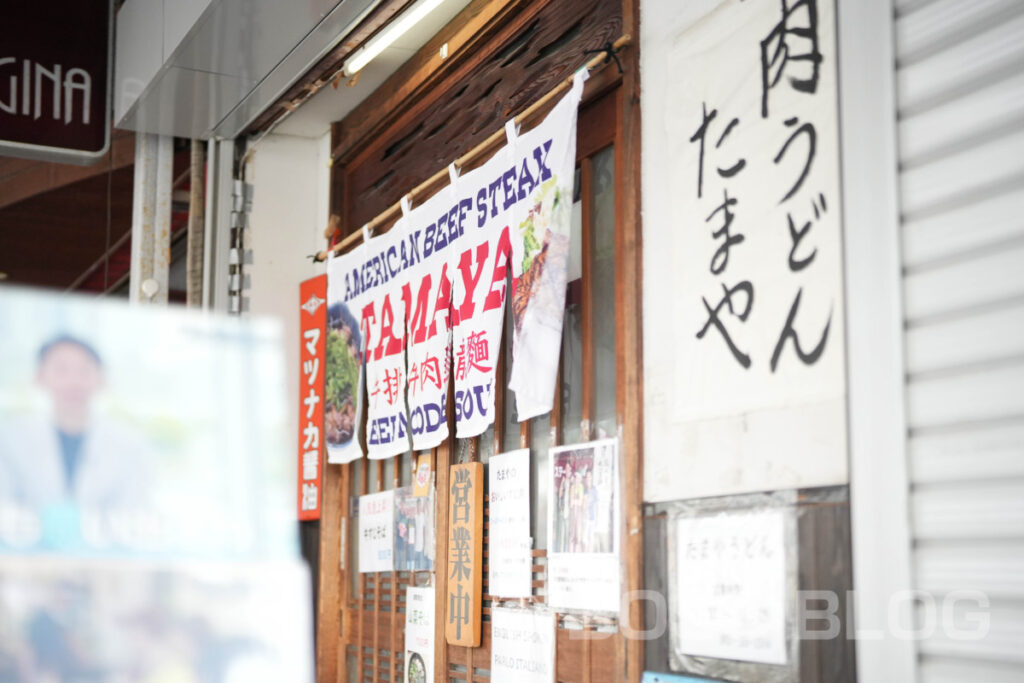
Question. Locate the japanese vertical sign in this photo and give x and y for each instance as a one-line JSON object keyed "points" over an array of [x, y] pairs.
{"points": [[522, 646], [312, 367], [510, 562], [465, 554], [729, 586], [748, 352], [376, 532], [419, 635]]}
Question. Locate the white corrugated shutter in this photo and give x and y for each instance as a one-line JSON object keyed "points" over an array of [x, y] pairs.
{"points": [[960, 94]]}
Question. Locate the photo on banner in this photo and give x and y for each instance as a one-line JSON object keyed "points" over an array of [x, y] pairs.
{"points": [[541, 255], [344, 374], [510, 562], [583, 527]]}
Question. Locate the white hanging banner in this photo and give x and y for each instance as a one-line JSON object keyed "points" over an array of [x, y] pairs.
{"points": [[376, 532], [427, 294], [509, 558], [541, 257], [519, 222], [419, 635], [479, 266], [522, 646], [387, 429], [365, 287]]}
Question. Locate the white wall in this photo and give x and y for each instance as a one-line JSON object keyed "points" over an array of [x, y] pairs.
{"points": [[290, 206]]}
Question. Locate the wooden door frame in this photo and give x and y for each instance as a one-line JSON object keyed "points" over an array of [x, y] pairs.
{"points": [[333, 615]]}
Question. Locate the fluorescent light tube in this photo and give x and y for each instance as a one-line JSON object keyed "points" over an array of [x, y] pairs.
{"points": [[392, 32]]}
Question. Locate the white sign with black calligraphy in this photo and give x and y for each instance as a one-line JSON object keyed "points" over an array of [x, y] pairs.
{"points": [[745, 360]]}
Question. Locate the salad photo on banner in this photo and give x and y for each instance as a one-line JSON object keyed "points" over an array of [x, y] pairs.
{"points": [[427, 294], [542, 227], [343, 388]]}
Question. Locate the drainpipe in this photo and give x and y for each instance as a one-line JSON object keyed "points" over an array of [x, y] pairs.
{"points": [[196, 208], [151, 219]]}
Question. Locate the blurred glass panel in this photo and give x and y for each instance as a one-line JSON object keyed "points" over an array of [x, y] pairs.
{"points": [[602, 275], [572, 331], [487, 444], [540, 442], [510, 430]]}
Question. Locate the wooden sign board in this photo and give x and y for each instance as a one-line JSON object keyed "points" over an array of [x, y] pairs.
{"points": [[465, 555]]}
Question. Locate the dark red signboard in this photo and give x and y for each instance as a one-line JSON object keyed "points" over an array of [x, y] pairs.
{"points": [[54, 79]]}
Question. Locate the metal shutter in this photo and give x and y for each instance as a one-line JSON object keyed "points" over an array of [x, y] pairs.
{"points": [[960, 94]]}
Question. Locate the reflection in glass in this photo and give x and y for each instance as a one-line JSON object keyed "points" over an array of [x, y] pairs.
{"points": [[602, 277]]}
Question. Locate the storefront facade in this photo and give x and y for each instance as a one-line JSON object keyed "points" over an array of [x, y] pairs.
{"points": [[873, 436]]}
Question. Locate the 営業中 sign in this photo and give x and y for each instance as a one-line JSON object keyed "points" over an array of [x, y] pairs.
{"points": [[465, 554]]}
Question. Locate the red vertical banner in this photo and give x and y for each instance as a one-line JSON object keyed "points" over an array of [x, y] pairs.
{"points": [[312, 369]]}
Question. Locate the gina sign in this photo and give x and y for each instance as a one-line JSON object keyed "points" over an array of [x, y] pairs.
{"points": [[55, 61]]}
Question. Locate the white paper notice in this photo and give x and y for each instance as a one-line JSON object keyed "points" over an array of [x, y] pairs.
{"points": [[419, 635], [376, 532], [730, 587], [522, 646], [510, 543]]}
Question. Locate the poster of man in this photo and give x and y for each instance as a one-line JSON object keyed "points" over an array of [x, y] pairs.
{"points": [[67, 453], [134, 432]]}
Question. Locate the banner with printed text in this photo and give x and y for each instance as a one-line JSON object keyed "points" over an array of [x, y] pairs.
{"points": [[425, 302]]}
